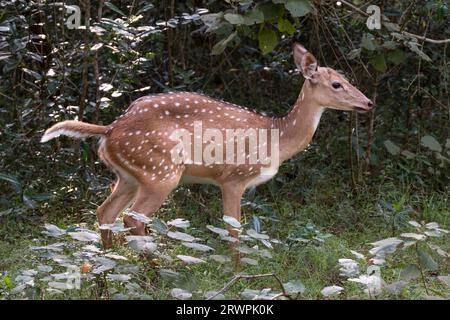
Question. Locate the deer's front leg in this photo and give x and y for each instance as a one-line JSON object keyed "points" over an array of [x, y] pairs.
{"points": [[231, 197]]}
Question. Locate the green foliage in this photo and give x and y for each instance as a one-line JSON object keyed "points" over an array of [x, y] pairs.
{"points": [[268, 40], [318, 207], [298, 8]]}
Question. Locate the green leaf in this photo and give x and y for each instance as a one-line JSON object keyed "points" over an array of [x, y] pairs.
{"points": [[7, 282], [408, 154], [414, 48], [379, 63], [15, 184], [391, 26], [220, 46], [231, 221], [160, 226], [268, 40], [254, 16], [426, 261], [256, 224], [294, 287], [32, 73], [397, 57], [391, 147], [298, 8], [234, 18], [145, 8], [114, 8], [285, 26], [271, 11], [410, 272], [367, 42], [431, 143]]}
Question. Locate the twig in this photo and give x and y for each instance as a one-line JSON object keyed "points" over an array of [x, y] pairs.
{"points": [[425, 38], [250, 276]]}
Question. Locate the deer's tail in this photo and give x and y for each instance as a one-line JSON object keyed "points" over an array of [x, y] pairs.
{"points": [[76, 129]]}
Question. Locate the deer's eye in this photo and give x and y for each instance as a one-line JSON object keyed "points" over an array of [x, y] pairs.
{"points": [[336, 85]]}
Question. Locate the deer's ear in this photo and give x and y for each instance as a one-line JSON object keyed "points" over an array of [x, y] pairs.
{"points": [[305, 61]]}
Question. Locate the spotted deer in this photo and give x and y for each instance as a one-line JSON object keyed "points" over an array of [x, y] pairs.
{"points": [[139, 146]]}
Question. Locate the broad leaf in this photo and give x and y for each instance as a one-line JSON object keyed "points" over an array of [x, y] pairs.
{"points": [[179, 223], [60, 285], [137, 216], [431, 143], [189, 259], [367, 42], [391, 147], [219, 231], [214, 295], [53, 231], [114, 227], [197, 246], [415, 48], [358, 255], [298, 8], [410, 272], [181, 236], [234, 18], [252, 233], [249, 261], [397, 57], [231, 221], [51, 247], [414, 236], [115, 256], [220, 258], [268, 40], [331, 291], [114, 8], [395, 287], [285, 26], [379, 63], [415, 224], [15, 184], [294, 287], [119, 277], [348, 267], [180, 294], [220, 46], [427, 261], [85, 236]]}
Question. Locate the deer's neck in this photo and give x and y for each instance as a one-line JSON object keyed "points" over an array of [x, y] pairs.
{"points": [[297, 128]]}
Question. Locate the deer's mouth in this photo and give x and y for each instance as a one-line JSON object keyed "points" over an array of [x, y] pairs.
{"points": [[361, 109]]}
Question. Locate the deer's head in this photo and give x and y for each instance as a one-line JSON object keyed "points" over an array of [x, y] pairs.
{"points": [[329, 88]]}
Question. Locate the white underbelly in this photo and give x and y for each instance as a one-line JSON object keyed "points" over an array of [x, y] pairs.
{"points": [[264, 176]]}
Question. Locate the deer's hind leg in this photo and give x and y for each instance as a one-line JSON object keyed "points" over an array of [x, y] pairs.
{"points": [[150, 196], [123, 194]]}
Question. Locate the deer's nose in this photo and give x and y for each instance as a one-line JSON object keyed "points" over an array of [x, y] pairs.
{"points": [[370, 104]]}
